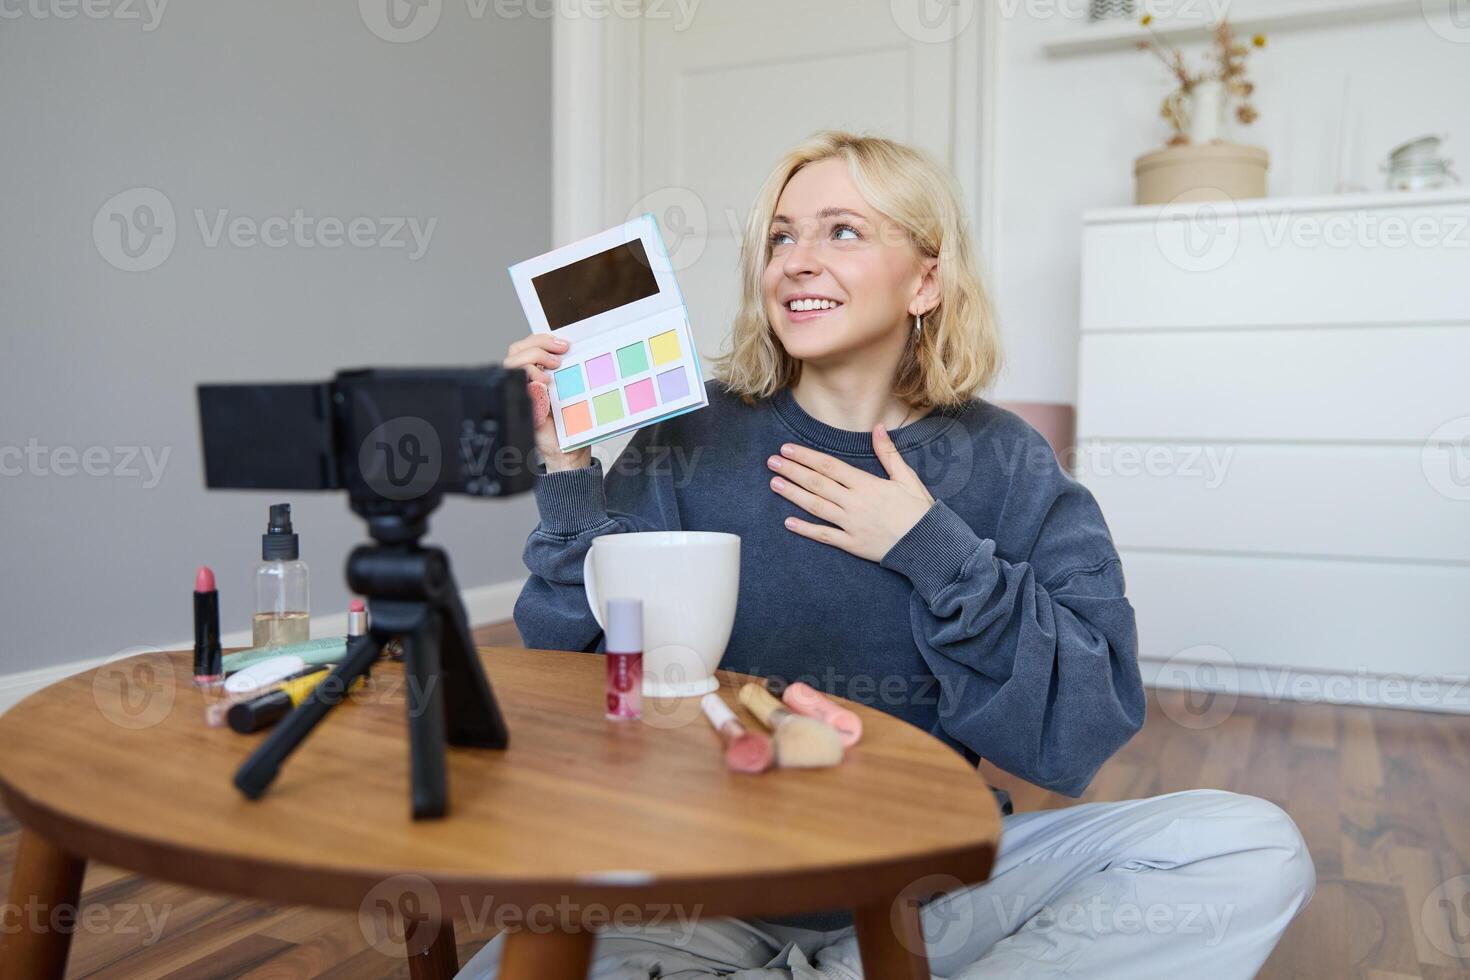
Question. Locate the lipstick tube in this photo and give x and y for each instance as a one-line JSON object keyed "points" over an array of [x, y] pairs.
{"points": [[209, 656]]}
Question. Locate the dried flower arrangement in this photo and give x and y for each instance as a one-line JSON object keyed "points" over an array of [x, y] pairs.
{"points": [[1227, 57]]}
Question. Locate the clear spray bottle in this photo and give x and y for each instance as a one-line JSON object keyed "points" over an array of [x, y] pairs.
{"points": [[282, 588]]}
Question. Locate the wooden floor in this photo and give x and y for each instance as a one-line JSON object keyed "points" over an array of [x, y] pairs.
{"points": [[1382, 796]]}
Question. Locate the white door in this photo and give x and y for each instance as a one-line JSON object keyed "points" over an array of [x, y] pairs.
{"points": [[703, 105]]}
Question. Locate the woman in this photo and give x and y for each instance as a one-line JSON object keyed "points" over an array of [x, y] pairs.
{"points": [[911, 546]]}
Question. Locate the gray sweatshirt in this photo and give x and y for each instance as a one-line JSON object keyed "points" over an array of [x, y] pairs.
{"points": [[998, 623]]}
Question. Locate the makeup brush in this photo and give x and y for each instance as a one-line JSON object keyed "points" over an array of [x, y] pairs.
{"points": [[801, 742], [744, 751], [807, 700]]}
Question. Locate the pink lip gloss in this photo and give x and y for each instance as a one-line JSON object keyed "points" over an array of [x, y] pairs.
{"points": [[624, 659]]}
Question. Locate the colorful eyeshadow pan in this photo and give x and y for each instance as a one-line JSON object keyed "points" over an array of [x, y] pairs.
{"points": [[569, 382], [600, 371], [609, 407], [640, 395], [665, 347], [632, 360], [672, 384], [576, 418]]}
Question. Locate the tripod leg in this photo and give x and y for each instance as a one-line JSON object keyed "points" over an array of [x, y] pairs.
{"points": [[257, 771], [473, 717], [426, 731]]}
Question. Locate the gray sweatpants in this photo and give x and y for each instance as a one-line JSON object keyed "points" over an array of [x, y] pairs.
{"points": [[1148, 888]]}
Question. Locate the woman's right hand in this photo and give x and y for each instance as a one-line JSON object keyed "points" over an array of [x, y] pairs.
{"points": [[538, 355]]}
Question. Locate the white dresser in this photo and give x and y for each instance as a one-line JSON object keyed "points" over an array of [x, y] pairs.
{"points": [[1274, 414]]}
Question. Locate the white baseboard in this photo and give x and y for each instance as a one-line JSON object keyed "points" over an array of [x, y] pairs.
{"points": [[484, 604], [1412, 692]]}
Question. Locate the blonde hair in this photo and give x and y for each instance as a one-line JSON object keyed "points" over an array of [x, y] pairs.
{"points": [[956, 355]]}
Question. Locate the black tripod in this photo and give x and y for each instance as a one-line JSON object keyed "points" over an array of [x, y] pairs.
{"points": [[411, 595]]}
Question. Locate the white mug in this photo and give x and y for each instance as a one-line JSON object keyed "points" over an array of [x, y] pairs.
{"points": [[688, 582]]}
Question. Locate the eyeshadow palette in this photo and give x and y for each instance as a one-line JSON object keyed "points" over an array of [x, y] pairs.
{"points": [[632, 360]]}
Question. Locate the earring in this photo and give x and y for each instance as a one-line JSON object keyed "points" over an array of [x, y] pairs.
{"points": [[918, 324]]}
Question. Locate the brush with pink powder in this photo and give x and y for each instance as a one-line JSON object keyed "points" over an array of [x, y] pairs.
{"points": [[745, 751], [806, 700]]}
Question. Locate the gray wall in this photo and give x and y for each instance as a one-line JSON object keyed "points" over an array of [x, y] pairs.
{"points": [[258, 108]]}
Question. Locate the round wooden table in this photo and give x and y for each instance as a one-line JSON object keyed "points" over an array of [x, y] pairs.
{"points": [[581, 822]]}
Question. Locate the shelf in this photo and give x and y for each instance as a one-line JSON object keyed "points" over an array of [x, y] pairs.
{"points": [[1124, 35], [1362, 201]]}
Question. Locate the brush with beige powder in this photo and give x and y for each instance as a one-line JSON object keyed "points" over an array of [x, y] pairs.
{"points": [[801, 742]]}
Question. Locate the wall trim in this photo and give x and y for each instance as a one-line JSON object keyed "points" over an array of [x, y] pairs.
{"points": [[986, 200], [483, 604], [1361, 688]]}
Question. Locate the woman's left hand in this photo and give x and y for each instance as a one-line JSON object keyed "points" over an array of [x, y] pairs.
{"points": [[870, 513]]}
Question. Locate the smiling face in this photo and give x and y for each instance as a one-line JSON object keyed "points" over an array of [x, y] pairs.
{"points": [[842, 280]]}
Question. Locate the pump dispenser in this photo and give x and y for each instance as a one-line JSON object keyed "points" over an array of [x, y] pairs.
{"points": [[282, 587]]}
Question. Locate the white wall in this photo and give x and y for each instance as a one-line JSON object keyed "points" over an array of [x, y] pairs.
{"points": [[258, 108], [1068, 130]]}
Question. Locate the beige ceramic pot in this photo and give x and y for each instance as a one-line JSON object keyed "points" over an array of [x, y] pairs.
{"points": [[1200, 172]]}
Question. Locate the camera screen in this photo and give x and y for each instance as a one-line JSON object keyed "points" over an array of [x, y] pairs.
{"points": [[596, 284]]}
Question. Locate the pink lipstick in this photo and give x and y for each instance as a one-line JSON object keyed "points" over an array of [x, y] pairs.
{"points": [[209, 657]]}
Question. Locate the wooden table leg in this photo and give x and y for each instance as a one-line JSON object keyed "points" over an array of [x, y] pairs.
{"points": [[891, 940], [42, 913], [546, 955], [433, 957]]}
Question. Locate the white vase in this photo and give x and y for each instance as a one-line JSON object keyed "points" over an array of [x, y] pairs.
{"points": [[1207, 112]]}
